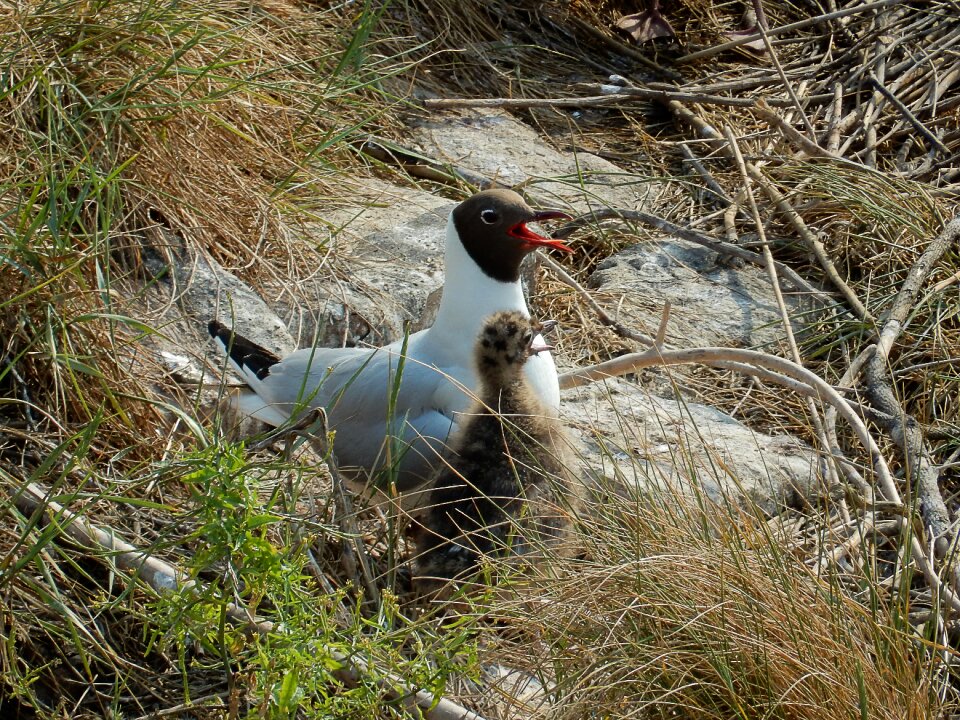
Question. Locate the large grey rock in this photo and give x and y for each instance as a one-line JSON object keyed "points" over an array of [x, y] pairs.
{"points": [[501, 147], [625, 433], [711, 304], [384, 258]]}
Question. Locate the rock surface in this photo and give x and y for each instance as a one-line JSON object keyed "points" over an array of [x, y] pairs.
{"points": [[711, 304], [499, 146], [388, 259], [649, 442]]}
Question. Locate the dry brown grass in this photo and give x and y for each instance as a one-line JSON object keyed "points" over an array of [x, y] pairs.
{"points": [[681, 613], [136, 126]]}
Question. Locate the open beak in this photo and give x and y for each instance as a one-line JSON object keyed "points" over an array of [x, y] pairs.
{"points": [[522, 232]]}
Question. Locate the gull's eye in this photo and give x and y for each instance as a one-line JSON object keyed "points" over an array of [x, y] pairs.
{"points": [[528, 338], [489, 216]]}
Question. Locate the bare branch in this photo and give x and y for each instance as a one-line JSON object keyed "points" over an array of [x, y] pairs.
{"points": [[903, 429], [724, 248]]}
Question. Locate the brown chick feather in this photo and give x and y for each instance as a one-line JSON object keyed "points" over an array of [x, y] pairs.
{"points": [[506, 484]]}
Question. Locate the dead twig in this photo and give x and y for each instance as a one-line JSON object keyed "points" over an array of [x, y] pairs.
{"points": [[793, 136], [610, 95], [850, 472], [787, 86], [724, 248], [778, 294], [611, 98], [601, 314], [936, 142], [422, 166], [712, 185], [819, 251], [773, 32], [903, 429]]}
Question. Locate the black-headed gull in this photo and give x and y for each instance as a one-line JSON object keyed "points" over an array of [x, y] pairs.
{"points": [[506, 481], [487, 238]]}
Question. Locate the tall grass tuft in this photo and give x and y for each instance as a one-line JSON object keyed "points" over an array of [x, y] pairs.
{"points": [[136, 128], [681, 609], [130, 132]]}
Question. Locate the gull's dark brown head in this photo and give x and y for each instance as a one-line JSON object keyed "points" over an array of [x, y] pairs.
{"points": [[492, 226]]}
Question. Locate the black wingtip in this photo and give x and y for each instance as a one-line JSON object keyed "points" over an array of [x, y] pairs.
{"points": [[244, 353]]}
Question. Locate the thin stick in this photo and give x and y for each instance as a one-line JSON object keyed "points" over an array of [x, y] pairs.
{"points": [[800, 25], [762, 25], [797, 138], [819, 251], [832, 134], [612, 98], [778, 295], [693, 236], [799, 225], [712, 185], [830, 421], [894, 324], [602, 314]]}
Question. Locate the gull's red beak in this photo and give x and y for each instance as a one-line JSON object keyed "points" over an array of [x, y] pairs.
{"points": [[537, 348], [522, 232]]}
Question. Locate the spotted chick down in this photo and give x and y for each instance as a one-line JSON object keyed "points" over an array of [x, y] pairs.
{"points": [[506, 488]]}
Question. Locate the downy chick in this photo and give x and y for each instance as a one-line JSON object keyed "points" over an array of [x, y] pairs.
{"points": [[506, 481]]}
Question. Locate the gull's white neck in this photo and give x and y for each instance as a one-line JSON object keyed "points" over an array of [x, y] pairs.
{"points": [[470, 296]]}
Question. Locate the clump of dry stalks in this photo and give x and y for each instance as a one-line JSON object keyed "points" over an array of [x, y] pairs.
{"points": [[684, 612], [204, 124]]}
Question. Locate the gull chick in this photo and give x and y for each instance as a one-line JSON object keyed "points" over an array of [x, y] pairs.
{"points": [[506, 482]]}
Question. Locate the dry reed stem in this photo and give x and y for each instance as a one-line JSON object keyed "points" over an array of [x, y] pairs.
{"points": [[693, 236], [785, 319], [773, 32], [785, 208]]}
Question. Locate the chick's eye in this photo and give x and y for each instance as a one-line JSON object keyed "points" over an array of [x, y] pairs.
{"points": [[489, 216]]}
